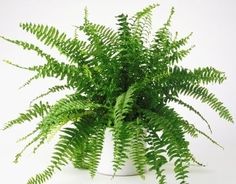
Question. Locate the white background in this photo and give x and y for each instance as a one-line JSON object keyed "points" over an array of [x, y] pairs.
{"points": [[214, 27]]}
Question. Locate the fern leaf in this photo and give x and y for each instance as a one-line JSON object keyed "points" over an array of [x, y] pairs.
{"points": [[62, 112], [95, 149], [155, 153], [28, 82], [121, 136], [25, 45], [202, 93], [53, 68], [53, 89], [123, 105], [197, 76], [37, 110], [193, 129], [16, 65], [47, 34], [173, 136], [69, 141], [142, 22], [191, 108], [34, 140], [138, 150]]}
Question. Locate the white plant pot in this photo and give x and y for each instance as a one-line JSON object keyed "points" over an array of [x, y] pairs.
{"points": [[106, 165]]}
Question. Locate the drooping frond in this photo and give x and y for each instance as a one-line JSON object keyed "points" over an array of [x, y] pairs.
{"points": [[122, 107], [138, 147], [191, 108], [121, 136], [16, 65], [26, 46], [37, 110], [205, 96], [94, 150], [72, 140], [53, 89], [28, 82], [30, 143], [52, 68], [166, 125], [65, 110], [177, 146], [191, 129], [60, 156], [155, 151]]}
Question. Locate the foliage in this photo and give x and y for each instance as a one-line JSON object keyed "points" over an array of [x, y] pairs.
{"points": [[122, 80]]}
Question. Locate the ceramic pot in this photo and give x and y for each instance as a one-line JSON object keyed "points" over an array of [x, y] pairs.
{"points": [[106, 165]]}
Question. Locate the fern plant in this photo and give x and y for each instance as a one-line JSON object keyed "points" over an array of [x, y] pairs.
{"points": [[122, 80]]}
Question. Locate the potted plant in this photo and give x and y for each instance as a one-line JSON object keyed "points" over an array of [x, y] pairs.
{"points": [[121, 82]]}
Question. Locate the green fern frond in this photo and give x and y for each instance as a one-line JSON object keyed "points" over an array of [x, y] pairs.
{"points": [[58, 70], [42, 177], [95, 144], [53, 89], [27, 135], [52, 68], [102, 39], [190, 128], [179, 43], [173, 137], [163, 34], [205, 96], [191, 108], [144, 12], [33, 141], [197, 76], [208, 75], [72, 48], [123, 105], [28, 82], [63, 111], [49, 35], [76, 50], [177, 56], [168, 22], [70, 140], [155, 153], [25, 45], [16, 65], [138, 147], [37, 110], [100, 35], [59, 157], [142, 23], [121, 136]]}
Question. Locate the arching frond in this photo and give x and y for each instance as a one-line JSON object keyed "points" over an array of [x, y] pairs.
{"points": [[37, 110]]}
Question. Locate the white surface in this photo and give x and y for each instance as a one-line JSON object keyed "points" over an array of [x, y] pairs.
{"points": [[214, 27]]}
